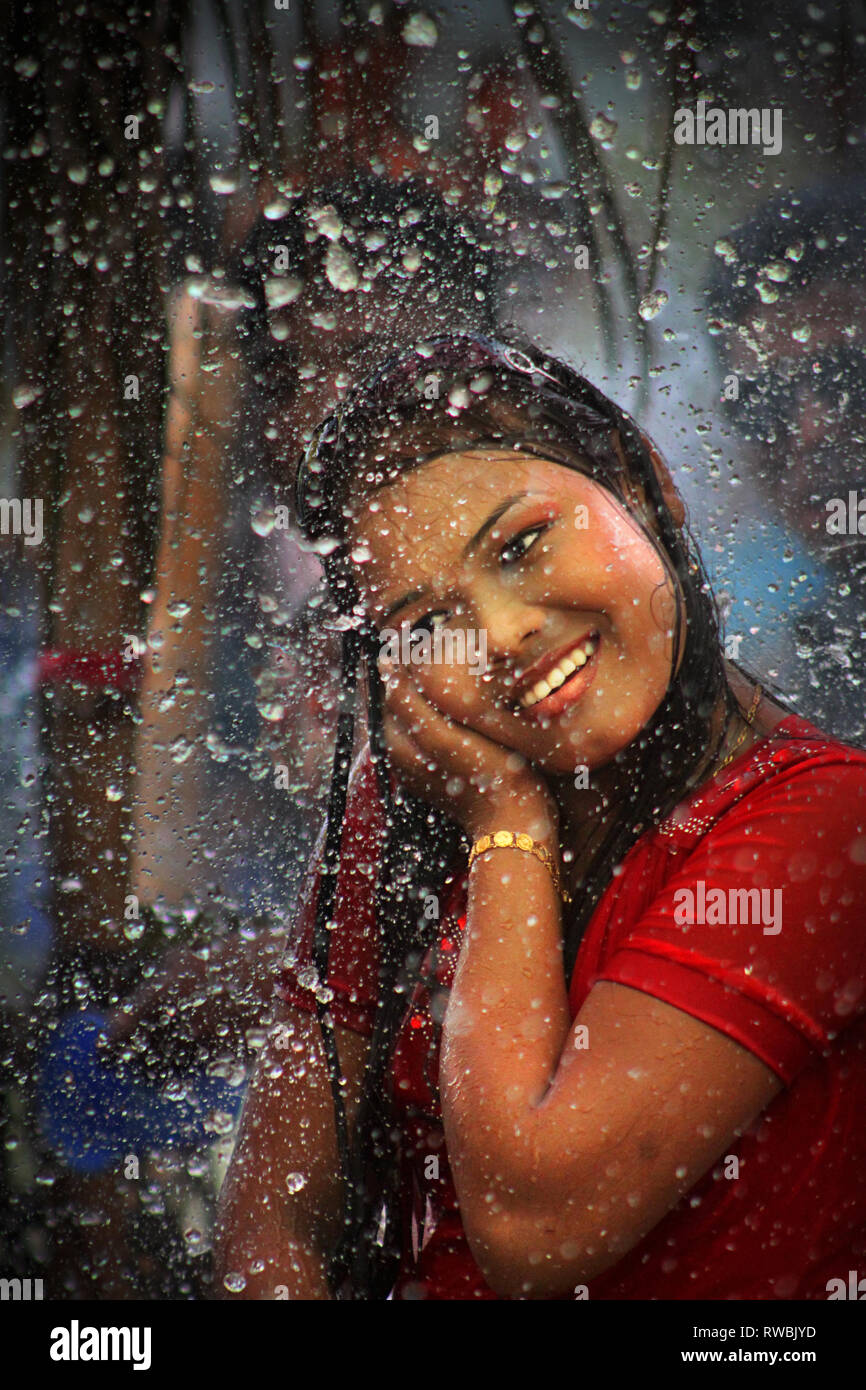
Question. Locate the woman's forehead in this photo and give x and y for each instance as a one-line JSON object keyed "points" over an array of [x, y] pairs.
{"points": [[465, 484]]}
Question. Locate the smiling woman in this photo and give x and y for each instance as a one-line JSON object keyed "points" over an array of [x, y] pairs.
{"points": [[556, 1062]]}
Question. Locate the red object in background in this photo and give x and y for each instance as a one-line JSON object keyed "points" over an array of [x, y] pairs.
{"points": [[106, 670]]}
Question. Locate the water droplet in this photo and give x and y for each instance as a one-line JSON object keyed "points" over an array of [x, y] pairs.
{"points": [[341, 269], [419, 31], [202, 88], [25, 395], [324, 546], [326, 222], [652, 304], [180, 750], [235, 1283], [271, 710], [295, 1182], [282, 290], [223, 183], [219, 1122], [113, 793], [727, 250], [603, 128]]}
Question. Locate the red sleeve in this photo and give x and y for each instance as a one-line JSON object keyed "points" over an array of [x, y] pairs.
{"points": [[353, 958], [785, 976]]}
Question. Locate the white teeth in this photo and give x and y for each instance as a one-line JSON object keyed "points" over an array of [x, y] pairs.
{"points": [[555, 678]]}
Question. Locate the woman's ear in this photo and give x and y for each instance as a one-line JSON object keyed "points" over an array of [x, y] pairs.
{"points": [[672, 499]]}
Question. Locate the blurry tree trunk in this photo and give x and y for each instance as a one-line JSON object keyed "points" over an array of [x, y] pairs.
{"points": [[88, 244], [171, 757]]}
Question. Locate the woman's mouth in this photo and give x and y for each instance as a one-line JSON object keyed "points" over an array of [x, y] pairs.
{"points": [[566, 680]]}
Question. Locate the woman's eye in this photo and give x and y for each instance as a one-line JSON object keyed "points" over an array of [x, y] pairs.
{"points": [[520, 545], [430, 621]]}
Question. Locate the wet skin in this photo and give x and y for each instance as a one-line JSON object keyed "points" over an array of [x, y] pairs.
{"points": [[563, 562]]}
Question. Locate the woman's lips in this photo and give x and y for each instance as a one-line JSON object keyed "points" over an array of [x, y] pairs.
{"points": [[572, 690]]}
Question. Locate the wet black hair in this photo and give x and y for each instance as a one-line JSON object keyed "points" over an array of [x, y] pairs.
{"points": [[508, 393], [383, 220]]}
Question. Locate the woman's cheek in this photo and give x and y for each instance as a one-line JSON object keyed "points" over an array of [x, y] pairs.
{"points": [[449, 687]]}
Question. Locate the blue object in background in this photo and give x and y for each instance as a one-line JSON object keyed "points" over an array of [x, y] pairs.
{"points": [[25, 896], [95, 1110], [770, 578]]}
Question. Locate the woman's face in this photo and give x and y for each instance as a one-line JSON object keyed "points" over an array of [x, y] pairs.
{"points": [[544, 568]]}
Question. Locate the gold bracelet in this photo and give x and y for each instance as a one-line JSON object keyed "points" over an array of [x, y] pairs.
{"points": [[511, 839]]}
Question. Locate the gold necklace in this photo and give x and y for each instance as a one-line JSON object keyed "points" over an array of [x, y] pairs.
{"points": [[750, 719]]}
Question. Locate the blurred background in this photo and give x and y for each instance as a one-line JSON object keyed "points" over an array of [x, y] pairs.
{"points": [[212, 215]]}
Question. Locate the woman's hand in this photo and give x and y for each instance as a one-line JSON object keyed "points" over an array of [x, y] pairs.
{"points": [[465, 774]]}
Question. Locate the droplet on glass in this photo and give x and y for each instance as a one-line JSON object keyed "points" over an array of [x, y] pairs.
{"points": [[340, 269], [727, 250], [282, 290], [419, 31], [603, 127], [25, 395], [223, 183], [652, 304], [264, 521]]}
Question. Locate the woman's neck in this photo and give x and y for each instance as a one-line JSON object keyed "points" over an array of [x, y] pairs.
{"points": [[586, 812]]}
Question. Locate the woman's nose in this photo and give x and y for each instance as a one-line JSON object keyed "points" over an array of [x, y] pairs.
{"points": [[508, 625]]}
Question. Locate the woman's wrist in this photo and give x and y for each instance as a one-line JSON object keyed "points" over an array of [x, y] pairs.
{"points": [[530, 811]]}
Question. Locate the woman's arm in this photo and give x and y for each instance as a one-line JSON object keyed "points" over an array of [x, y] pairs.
{"points": [[570, 1141], [280, 1206]]}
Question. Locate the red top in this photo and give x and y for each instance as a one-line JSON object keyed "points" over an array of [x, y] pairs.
{"points": [[788, 814]]}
